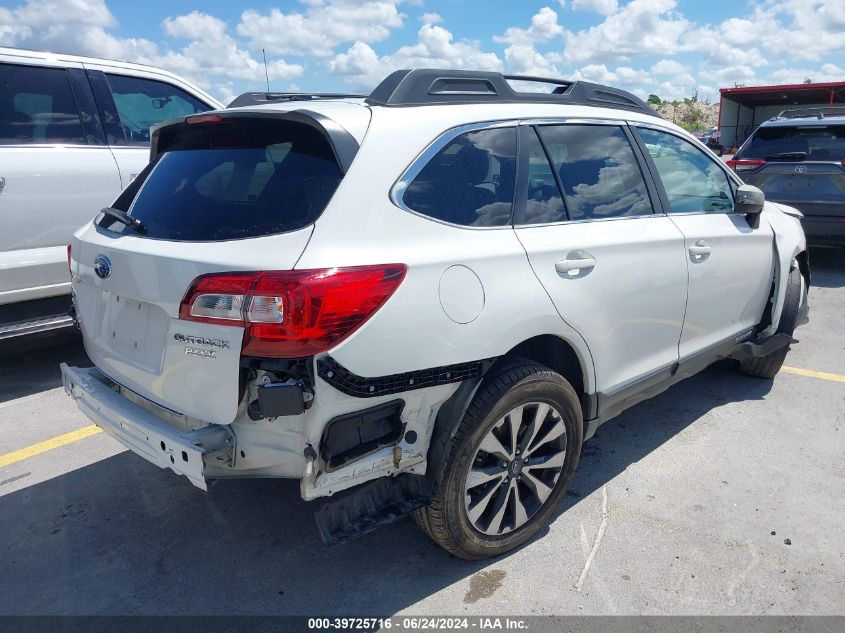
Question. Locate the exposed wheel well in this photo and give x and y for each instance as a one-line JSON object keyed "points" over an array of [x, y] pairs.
{"points": [[547, 349], [555, 353], [804, 266]]}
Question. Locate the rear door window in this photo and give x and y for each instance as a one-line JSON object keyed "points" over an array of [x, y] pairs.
{"points": [[598, 171], [142, 103], [470, 181], [231, 180], [798, 142], [37, 106]]}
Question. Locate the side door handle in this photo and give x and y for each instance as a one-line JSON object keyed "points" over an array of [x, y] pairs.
{"points": [[575, 265], [699, 251]]}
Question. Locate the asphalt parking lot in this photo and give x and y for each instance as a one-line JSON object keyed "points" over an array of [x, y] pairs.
{"points": [[724, 495]]}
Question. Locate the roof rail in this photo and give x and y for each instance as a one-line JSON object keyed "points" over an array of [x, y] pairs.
{"points": [[425, 86], [264, 98], [818, 112]]}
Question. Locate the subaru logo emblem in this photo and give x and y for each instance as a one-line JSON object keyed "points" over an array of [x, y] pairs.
{"points": [[102, 267], [800, 169]]}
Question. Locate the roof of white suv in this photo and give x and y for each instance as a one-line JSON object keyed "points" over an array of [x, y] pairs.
{"points": [[20, 55], [474, 96]]}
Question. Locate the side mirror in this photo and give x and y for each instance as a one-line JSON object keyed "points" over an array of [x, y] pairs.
{"points": [[749, 200]]}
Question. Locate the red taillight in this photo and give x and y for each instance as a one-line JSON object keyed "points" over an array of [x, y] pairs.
{"points": [[292, 314], [203, 118], [745, 164], [69, 269]]}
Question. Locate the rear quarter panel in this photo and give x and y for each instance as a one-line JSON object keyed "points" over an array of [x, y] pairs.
{"points": [[412, 330]]}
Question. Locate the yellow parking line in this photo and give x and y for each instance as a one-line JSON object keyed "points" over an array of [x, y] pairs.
{"points": [[49, 445], [813, 374], [88, 431]]}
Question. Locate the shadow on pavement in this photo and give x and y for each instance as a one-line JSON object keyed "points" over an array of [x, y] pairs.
{"points": [[827, 267], [120, 536], [30, 364]]}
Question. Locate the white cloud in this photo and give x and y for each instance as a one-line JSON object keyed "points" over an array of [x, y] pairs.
{"points": [[668, 67], [211, 58], [213, 53], [604, 7], [642, 45], [823, 73], [641, 27], [321, 28], [525, 60], [435, 48], [544, 27], [521, 56]]}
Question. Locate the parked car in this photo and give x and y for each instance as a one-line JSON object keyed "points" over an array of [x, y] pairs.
{"points": [[74, 131], [423, 300], [798, 158], [712, 139]]}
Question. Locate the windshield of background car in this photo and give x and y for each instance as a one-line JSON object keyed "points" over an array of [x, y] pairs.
{"points": [[818, 142], [235, 179]]}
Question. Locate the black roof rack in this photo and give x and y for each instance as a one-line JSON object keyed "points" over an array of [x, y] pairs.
{"points": [[819, 112], [264, 98], [424, 86]]}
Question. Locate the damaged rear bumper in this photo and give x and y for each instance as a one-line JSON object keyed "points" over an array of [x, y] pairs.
{"points": [[184, 452]]}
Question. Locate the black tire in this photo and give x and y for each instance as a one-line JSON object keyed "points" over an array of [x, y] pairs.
{"points": [[769, 366], [523, 381]]}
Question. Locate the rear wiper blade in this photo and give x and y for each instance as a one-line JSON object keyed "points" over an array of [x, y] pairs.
{"points": [[798, 155], [124, 218]]}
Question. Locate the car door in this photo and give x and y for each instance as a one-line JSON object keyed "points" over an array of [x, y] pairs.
{"points": [[613, 267], [730, 262], [56, 173], [130, 105]]}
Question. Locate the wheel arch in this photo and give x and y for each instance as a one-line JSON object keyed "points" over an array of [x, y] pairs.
{"points": [[551, 350]]}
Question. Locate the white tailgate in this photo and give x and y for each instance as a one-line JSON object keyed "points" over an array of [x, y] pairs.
{"points": [[130, 321]]}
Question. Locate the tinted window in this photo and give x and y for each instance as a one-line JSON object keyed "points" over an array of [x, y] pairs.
{"points": [[598, 171], [693, 181], [141, 103], [812, 142], [233, 180], [37, 106], [544, 203], [470, 181]]}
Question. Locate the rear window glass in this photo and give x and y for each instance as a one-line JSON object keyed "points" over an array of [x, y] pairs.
{"points": [[470, 181], [810, 142], [233, 180]]}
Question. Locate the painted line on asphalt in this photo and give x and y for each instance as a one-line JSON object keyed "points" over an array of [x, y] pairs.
{"points": [[93, 429], [822, 375], [49, 445]]}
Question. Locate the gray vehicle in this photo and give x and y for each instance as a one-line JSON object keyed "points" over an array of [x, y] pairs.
{"points": [[798, 158]]}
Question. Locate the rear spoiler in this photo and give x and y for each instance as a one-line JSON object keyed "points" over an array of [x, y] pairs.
{"points": [[343, 144]]}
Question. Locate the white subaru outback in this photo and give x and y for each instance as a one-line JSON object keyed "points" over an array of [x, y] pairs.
{"points": [[423, 300]]}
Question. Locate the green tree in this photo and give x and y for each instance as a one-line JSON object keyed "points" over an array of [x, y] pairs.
{"points": [[807, 80], [653, 100]]}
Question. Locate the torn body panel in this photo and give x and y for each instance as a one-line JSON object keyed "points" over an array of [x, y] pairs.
{"points": [[789, 244]]}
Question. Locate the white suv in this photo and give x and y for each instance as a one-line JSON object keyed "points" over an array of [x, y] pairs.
{"points": [[74, 131], [422, 300]]}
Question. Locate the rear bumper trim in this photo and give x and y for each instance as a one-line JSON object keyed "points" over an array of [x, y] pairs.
{"points": [[184, 452]]}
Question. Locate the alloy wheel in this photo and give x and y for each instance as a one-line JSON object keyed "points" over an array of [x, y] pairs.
{"points": [[515, 468]]}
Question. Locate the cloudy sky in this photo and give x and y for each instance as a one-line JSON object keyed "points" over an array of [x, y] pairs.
{"points": [[667, 47]]}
